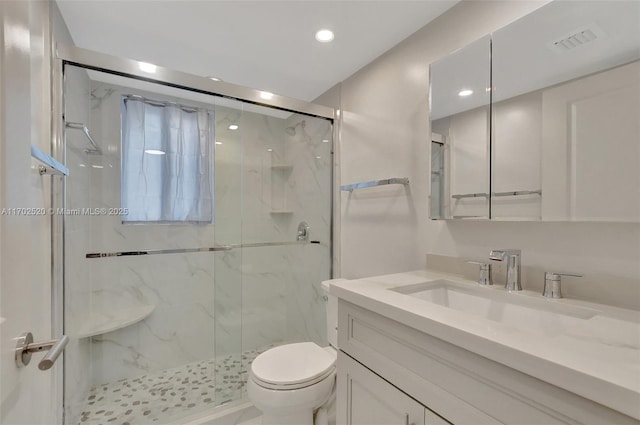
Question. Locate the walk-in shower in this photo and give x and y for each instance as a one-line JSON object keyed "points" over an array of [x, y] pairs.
{"points": [[181, 254]]}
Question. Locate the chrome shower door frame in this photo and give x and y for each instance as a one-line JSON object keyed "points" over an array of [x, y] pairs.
{"points": [[131, 68]]}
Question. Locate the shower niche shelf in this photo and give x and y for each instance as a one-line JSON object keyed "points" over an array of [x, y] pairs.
{"points": [[103, 322], [280, 173]]}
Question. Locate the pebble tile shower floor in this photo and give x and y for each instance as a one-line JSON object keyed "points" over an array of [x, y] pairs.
{"points": [[162, 396]]}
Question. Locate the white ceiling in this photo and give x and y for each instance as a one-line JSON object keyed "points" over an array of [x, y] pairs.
{"points": [[523, 59], [267, 45]]}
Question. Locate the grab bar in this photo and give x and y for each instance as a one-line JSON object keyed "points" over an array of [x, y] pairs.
{"points": [[470, 195], [80, 126], [393, 180], [511, 193], [157, 251], [518, 193], [187, 250]]}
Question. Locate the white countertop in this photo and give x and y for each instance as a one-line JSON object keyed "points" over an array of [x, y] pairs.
{"points": [[600, 361]]}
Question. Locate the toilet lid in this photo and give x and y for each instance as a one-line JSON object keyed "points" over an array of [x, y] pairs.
{"points": [[292, 364]]}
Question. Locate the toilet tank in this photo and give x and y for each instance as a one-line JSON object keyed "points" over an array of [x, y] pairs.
{"points": [[331, 307]]}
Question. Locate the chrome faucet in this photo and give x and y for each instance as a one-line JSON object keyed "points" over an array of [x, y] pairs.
{"points": [[513, 266]]}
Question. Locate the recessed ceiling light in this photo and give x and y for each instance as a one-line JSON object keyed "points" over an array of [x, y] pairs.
{"points": [[269, 150], [317, 157], [215, 78], [465, 92], [97, 166], [147, 67], [325, 141], [218, 143], [154, 152], [266, 95], [233, 127], [324, 35]]}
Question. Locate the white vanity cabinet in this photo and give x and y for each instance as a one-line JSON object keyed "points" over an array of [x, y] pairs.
{"points": [[387, 370], [367, 399]]}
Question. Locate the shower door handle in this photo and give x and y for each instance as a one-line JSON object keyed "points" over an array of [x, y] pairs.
{"points": [[25, 347]]}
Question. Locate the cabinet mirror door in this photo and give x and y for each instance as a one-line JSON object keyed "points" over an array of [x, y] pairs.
{"points": [[460, 109], [566, 114]]}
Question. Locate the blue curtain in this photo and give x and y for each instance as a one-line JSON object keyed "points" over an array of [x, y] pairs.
{"points": [[167, 161]]}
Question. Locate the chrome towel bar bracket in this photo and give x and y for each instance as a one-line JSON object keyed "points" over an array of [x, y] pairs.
{"points": [[394, 180]]}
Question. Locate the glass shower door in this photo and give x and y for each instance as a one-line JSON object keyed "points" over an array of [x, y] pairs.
{"points": [[139, 297], [273, 172], [228, 279]]}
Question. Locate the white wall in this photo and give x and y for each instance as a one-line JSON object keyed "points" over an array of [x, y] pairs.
{"points": [[385, 133]]}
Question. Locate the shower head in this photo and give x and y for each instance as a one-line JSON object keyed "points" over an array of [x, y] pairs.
{"points": [[291, 131], [94, 149]]}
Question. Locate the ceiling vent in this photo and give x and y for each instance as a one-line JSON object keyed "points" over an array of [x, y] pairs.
{"points": [[577, 38]]}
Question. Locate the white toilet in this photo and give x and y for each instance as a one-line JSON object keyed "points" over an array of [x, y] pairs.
{"points": [[290, 382]]}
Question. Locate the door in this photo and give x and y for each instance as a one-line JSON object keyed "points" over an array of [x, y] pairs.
{"points": [[366, 399], [27, 395]]}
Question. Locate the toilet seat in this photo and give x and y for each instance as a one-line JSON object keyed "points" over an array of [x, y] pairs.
{"points": [[296, 386], [293, 366]]}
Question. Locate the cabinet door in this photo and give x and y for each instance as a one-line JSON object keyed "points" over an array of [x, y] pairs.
{"points": [[366, 399]]}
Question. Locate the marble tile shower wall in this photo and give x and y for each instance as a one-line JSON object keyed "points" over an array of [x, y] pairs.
{"points": [[249, 282], [180, 286], [77, 228], [277, 167], [189, 308], [264, 269], [308, 189]]}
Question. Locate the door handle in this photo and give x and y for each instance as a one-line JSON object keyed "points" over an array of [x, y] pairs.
{"points": [[25, 347]]}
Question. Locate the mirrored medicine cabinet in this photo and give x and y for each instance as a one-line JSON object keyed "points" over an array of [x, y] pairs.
{"points": [[540, 120]]}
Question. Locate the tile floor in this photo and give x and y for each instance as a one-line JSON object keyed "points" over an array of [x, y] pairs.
{"points": [[162, 396]]}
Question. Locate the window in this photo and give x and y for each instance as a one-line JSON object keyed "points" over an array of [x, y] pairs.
{"points": [[167, 161]]}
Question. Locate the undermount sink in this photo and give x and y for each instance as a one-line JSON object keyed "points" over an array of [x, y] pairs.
{"points": [[521, 311]]}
